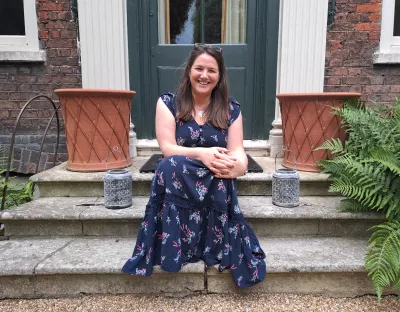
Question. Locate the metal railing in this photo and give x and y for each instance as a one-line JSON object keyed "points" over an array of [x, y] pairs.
{"points": [[11, 150]]}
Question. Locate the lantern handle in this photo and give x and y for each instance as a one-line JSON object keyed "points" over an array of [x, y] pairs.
{"points": [[288, 150], [115, 149]]}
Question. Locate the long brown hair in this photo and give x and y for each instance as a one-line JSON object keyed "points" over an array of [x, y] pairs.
{"points": [[217, 111]]}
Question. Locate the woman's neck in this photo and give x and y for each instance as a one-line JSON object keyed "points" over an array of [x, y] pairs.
{"points": [[201, 102]]}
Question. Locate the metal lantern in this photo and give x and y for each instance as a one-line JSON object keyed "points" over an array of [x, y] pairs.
{"points": [[285, 186], [117, 189]]}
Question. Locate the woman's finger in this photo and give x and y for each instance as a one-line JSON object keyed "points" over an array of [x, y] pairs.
{"points": [[222, 164], [225, 157]]}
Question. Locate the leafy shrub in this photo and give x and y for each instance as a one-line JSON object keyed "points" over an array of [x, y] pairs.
{"points": [[16, 194], [366, 170]]}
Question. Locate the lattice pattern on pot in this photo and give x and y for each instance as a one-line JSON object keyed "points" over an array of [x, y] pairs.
{"points": [[309, 117], [100, 121]]}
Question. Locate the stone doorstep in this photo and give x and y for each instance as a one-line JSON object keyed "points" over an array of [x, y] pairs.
{"points": [[255, 148], [87, 216], [71, 266], [60, 182]]}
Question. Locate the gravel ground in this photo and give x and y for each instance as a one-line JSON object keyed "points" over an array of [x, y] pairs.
{"points": [[250, 302]]}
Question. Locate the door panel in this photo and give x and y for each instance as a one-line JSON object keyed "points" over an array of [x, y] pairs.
{"points": [[156, 66], [169, 58]]}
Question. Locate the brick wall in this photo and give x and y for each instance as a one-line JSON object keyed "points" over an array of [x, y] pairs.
{"points": [[57, 31], [351, 42]]}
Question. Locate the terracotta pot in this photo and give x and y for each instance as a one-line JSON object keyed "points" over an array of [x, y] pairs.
{"points": [[96, 127], [307, 122]]}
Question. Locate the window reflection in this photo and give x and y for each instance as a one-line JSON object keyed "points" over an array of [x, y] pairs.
{"points": [[12, 22], [210, 21], [396, 25]]}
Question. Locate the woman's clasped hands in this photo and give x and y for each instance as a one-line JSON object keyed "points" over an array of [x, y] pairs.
{"points": [[223, 165]]}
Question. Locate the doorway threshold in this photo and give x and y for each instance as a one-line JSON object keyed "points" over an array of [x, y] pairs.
{"points": [[255, 148]]}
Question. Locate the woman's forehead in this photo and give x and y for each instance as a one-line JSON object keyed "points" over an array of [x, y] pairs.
{"points": [[206, 60]]}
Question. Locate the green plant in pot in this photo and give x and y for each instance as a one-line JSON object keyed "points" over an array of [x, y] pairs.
{"points": [[366, 170]]}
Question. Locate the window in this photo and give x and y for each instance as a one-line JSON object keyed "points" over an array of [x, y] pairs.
{"points": [[389, 47], [208, 21], [18, 31]]}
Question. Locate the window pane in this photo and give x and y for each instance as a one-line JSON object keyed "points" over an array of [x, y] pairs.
{"points": [[396, 26], [208, 21], [12, 21]]}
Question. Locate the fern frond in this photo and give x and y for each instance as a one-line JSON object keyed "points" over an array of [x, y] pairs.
{"points": [[383, 259], [386, 158], [335, 146], [349, 204]]}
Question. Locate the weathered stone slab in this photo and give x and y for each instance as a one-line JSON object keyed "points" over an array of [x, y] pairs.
{"points": [[58, 181], [87, 216], [338, 284], [21, 257]]}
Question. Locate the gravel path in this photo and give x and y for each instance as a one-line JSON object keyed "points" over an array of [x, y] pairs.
{"points": [[250, 302]]}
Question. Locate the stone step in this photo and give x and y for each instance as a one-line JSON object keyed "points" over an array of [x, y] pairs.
{"points": [[59, 182], [32, 268], [87, 216]]}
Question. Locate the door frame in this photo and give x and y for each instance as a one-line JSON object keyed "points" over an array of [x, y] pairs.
{"points": [[140, 15]]}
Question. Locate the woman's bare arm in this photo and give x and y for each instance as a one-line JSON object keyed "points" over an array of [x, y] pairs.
{"points": [[165, 133]]}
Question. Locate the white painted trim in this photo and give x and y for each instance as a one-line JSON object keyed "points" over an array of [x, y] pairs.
{"points": [[104, 44], [389, 45], [301, 54], [29, 42], [23, 56]]}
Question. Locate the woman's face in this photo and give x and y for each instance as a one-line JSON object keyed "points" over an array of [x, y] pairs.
{"points": [[204, 74]]}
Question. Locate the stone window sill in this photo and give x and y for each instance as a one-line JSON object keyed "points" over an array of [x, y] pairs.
{"points": [[386, 58], [22, 56]]}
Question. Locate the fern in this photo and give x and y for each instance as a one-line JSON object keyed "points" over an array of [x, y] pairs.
{"points": [[366, 170], [383, 258]]}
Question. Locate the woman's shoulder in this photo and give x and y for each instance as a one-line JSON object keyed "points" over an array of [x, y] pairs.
{"points": [[234, 110], [233, 104], [167, 97]]}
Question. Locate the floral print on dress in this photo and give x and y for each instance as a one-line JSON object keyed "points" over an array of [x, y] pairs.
{"points": [[191, 216]]}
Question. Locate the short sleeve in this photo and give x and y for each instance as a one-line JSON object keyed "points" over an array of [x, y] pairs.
{"points": [[169, 99], [234, 110]]}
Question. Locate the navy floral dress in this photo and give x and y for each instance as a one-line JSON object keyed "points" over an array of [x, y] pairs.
{"points": [[193, 216]]}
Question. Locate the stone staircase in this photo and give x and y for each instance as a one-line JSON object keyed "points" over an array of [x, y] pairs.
{"points": [[67, 243]]}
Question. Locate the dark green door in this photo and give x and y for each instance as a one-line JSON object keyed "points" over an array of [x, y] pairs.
{"points": [[161, 38]]}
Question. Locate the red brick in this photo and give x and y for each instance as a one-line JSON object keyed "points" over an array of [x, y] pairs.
{"points": [[335, 44], [55, 34], [369, 8], [335, 62], [43, 15], [64, 16], [68, 34], [333, 81], [50, 7], [64, 43], [375, 18], [44, 34], [55, 25], [374, 36], [356, 80], [367, 26], [337, 72], [395, 88], [53, 16], [377, 89], [5, 104]]}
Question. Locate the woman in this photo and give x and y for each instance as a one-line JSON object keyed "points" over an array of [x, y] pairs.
{"points": [[193, 212]]}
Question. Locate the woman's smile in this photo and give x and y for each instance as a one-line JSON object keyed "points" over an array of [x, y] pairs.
{"points": [[204, 74]]}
